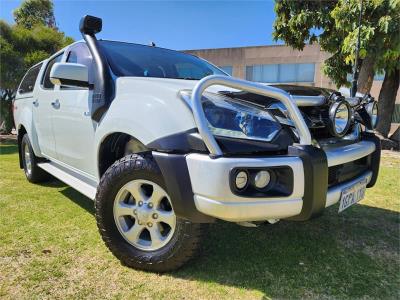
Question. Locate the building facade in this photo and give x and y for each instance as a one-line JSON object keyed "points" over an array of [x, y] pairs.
{"points": [[280, 64]]}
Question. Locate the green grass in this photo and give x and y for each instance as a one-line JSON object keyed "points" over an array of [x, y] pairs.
{"points": [[50, 248]]}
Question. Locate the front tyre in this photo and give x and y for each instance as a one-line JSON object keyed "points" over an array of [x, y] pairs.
{"points": [[136, 219]]}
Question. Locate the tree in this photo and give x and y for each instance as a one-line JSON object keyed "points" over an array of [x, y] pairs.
{"points": [[299, 22], [381, 40], [35, 12], [386, 102], [22, 47]]}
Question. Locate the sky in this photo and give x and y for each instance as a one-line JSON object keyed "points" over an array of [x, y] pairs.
{"points": [[176, 25]]}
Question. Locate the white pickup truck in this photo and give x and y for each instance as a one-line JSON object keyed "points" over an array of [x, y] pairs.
{"points": [[165, 142]]}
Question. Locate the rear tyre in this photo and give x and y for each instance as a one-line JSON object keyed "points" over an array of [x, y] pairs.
{"points": [[136, 219], [32, 171]]}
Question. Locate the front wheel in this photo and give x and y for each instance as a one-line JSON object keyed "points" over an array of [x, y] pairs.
{"points": [[136, 218]]}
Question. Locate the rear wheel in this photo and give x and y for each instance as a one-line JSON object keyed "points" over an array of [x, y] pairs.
{"points": [[29, 161], [136, 218]]}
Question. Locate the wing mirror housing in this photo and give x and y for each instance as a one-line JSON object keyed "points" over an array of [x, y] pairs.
{"points": [[70, 74]]}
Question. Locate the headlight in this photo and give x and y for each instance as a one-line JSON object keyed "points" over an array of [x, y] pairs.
{"points": [[372, 109], [238, 119], [340, 118]]}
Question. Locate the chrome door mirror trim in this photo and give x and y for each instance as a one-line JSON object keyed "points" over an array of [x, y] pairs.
{"points": [[252, 87]]}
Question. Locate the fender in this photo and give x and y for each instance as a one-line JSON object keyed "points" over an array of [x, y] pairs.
{"points": [[147, 123], [25, 119]]}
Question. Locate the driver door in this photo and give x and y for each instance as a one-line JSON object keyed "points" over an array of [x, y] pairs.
{"points": [[73, 126]]}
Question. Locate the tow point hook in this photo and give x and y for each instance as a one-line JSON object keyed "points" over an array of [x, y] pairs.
{"points": [[252, 224]]}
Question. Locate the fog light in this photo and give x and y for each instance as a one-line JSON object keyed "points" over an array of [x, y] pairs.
{"points": [[241, 180], [340, 118], [262, 179]]}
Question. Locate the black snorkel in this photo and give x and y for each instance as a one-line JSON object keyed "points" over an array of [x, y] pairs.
{"points": [[104, 89]]}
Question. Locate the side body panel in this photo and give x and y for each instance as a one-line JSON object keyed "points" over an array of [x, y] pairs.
{"points": [[74, 130], [147, 109], [73, 126], [43, 109], [24, 118], [24, 107]]}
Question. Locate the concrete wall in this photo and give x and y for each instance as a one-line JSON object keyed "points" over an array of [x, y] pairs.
{"points": [[241, 57]]}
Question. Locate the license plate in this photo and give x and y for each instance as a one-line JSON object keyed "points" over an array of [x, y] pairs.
{"points": [[352, 195]]}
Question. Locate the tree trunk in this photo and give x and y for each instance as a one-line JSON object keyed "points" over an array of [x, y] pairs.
{"points": [[6, 113], [366, 76], [387, 99]]}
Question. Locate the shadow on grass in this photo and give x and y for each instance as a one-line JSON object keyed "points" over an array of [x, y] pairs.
{"points": [[53, 183], [8, 148], [79, 199], [352, 255], [73, 195]]}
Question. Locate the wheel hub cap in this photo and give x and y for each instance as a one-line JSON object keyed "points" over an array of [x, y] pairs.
{"points": [[144, 214]]}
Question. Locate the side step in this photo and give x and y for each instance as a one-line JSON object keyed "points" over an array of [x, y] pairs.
{"points": [[70, 178]]}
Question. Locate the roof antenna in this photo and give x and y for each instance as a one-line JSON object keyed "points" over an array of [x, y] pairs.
{"points": [[354, 87], [152, 44]]}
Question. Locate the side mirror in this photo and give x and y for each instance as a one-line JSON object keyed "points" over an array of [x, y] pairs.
{"points": [[70, 74]]}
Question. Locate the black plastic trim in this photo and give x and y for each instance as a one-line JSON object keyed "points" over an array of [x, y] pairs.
{"points": [[375, 157], [75, 83], [186, 141], [19, 140], [177, 179], [315, 165], [183, 142], [363, 117], [280, 185]]}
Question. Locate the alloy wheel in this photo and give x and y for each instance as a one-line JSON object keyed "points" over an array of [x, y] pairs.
{"points": [[27, 159], [144, 215]]}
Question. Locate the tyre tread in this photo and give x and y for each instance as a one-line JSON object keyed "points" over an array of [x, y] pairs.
{"points": [[187, 243]]}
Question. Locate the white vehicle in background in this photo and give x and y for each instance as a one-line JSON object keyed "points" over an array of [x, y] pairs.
{"points": [[165, 142]]}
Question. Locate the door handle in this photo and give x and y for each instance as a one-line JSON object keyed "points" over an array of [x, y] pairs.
{"points": [[36, 102], [56, 104]]}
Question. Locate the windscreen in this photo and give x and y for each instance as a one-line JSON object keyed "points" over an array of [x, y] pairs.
{"points": [[127, 59]]}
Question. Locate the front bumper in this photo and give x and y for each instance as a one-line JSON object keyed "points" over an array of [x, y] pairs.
{"points": [[311, 193], [201, 186], [213, 195]]}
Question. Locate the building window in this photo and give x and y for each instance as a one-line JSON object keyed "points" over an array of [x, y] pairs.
{"points": [[377, 76], [274, 73], [249, 73], [227, 69]]}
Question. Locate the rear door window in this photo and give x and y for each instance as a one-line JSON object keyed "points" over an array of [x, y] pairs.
{"points": [[47, 84], [28, 82]]}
